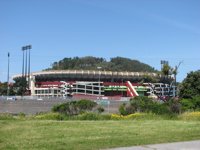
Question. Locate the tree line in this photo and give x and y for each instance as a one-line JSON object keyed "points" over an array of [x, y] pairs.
{"points": [[92, 63]]}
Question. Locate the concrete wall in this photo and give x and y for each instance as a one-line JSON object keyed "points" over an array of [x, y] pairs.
{"points": [[35, 106]]}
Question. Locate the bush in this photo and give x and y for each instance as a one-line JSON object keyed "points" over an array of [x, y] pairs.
{"points": [[122, 109], [92, 116], [85, 105], [126, 109], [49, 116], [187, 104], [142, 103], [190, 104], [6, 116], [196, 100], [160, 108], [135, 116], [74, 107], [21, 115], [148, 105], [105, 117], [174, 106], [190, 116], [88, 116], [100, 109]]}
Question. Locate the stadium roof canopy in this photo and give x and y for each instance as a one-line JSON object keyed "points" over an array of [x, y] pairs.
{"points": [[89, 75]]}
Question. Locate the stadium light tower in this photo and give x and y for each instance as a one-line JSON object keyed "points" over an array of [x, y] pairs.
{"points": [[26, 63], [163, 62], [29, 64], [23, 49]]}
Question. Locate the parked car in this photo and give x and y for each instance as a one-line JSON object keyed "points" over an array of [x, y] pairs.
{"points": [[11, 98]]}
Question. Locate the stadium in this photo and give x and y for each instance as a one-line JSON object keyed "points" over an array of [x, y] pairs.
{"points": [[96, 84]]}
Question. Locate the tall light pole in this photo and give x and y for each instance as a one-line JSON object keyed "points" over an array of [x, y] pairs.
{"points": [[23, 49], [26, 69], [163, 62], [29, 64], [26, 63], [8, 88]]}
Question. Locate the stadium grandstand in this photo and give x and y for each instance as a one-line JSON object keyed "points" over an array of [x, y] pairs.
{"points": [[74, 83]]}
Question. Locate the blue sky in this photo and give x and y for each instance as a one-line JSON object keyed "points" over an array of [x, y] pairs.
{"points": [[146, 30]]}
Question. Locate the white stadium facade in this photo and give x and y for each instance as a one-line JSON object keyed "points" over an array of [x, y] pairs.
{"points": [[91, 83]]}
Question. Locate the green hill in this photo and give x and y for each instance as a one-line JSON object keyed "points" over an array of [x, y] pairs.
{"points": [[91, 63]]}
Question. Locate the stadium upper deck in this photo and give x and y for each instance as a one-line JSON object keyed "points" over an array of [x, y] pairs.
{"points": [[55, 83]]}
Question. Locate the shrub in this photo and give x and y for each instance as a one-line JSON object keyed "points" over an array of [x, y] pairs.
{"points": [[22, 115], [100, 109], [92, 116], [160, 108], [148, 105], [6, 116], [196, 100], [133, 116], [190, 116], [191, 104], [88, 116], [85, 105], [187, 104], [105, 117], [49, 116], [126, 109], [142, 103], [174, 106], [116, 117], [74, 107], [122, 109]]}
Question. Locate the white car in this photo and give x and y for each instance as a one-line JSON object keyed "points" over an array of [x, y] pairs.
{"points": [[11, 98]]}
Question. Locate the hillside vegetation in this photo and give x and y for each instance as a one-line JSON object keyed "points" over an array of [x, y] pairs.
{"points": [[91, 63]]}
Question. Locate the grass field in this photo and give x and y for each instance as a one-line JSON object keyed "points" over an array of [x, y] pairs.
{"points": [[78, 135]]}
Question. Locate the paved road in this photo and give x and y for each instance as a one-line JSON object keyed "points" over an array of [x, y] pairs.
{"points": [[190, 145]]}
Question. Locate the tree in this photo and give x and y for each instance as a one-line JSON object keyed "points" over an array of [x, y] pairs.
{"points": [[190, 86], [91, 63], [20, 86], [166, 70], [4, 87]]}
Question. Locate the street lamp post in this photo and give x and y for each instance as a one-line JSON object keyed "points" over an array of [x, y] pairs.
{"points": [[99, 80], [8, 88]]}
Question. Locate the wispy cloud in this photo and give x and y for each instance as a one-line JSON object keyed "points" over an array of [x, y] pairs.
{"points": [[175, 23]]}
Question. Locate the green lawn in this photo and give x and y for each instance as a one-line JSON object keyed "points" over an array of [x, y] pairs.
{"points": [[34, 134]]}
